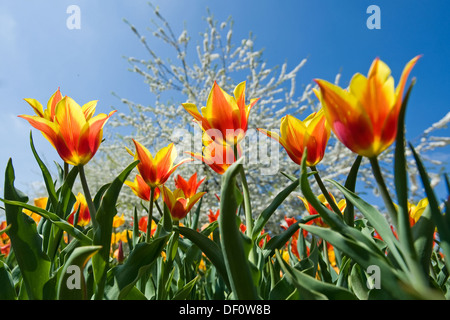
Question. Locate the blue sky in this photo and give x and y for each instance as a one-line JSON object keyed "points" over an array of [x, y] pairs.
{"points": [[39, 53]]}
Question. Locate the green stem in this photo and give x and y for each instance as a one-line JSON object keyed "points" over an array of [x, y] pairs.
{"points": [[325, 192], [66, 169], [383, 190], [87, 195], [247, 204], [150, 215]]}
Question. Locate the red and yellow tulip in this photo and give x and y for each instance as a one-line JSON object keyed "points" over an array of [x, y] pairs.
{"points": [[364, 116], [84, 216], [72, 130], [155, 171], [142, 189], [178, 204], [189, 187], [296, 135], [224, 116]]}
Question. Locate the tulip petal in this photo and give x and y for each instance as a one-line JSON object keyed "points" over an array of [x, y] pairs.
{"points": [[36, 105]]}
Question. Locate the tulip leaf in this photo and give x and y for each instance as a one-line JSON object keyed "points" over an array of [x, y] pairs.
{"points": [[278, 241], [330, 217], [439, 220], [376, 219], [208, 247], [103, 231], [311, 288], [422, 233], [46, 174], [71, 284], [54, 219], [391, 280], [350, 184], [121, 279], [237, 265], [7, 291], [401, 183], [26, 243], [267, 213], [184, 292]]}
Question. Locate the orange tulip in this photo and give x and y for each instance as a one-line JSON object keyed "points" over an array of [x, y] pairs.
{"points": [[226, 115], [312, 133], [38, 202], [72, 130], [189, 187], [142, 189], [83, 216], [155, 171], [364, 117], [178, 204]]}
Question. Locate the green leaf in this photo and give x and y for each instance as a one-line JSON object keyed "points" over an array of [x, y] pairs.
{"points": [[25, 241], [267, 213], [311, 288], [71, 274], [394, 282], [236, 262], [53, 218], [102, 233], [442, 225], [423, 236], [7, 291], [358, 283], [401, 188], [209, 248], [46, 174], [377, 220], [278, 241], [184, 292], [350, 184], [122, 278]]}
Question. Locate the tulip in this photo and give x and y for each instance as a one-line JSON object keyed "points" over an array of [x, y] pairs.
{"points": [[296, 135], [189, 187], [178, 204], [225, 116], [364, 117], [72, 130], [142, 189], [83, 216], [155, 171]]}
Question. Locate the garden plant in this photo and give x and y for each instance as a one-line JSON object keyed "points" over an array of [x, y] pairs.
{"points": [[78, 245]]}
